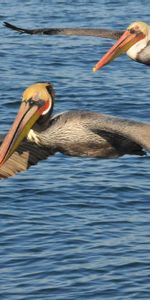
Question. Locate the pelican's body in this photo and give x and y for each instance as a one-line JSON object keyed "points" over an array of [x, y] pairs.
{"points": [[138, 48], [73, 133], [82, 133], [77, 133]]}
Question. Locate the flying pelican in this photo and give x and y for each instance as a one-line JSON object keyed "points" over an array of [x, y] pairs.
{"points": [[135, 41], [76, 133]]}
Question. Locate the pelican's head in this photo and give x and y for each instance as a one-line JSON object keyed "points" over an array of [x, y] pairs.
{"points": [[37, 102], [133, 40]]}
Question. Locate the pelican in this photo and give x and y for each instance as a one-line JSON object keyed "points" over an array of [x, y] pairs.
{"points": [[135, 41], [36, 133]]}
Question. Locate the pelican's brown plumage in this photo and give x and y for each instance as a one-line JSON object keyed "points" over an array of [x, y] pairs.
{"points": [[78, 133], [25, 156], [97, 32]]}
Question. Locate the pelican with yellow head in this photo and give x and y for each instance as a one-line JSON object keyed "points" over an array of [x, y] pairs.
{"points": [[75, 133], [36, 102]]}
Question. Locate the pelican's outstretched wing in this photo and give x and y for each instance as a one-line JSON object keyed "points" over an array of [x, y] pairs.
{"points": [[24, 157], [103, 33]]}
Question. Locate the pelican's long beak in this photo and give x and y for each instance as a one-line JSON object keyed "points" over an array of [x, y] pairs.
{"points": [[127, 40], [28, 114]]}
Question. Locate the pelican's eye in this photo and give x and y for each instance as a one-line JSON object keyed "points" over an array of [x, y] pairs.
{"points": [[39, 102], [135, 30], [132, 31], [31, 102]]}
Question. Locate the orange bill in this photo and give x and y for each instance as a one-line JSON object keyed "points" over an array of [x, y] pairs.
{"points": [[126, 41]]}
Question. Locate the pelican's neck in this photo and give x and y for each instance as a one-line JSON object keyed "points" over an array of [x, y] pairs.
{"points": [[148, 36], [134, 51]]}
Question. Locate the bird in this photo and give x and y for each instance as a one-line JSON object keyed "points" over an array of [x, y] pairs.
{"points": [[37, 133], [134, 41]]}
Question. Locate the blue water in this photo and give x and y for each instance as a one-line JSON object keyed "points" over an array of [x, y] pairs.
{"points": [[74, 228]]}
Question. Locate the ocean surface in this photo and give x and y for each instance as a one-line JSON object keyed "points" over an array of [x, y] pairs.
{"points": [[74, 228]]}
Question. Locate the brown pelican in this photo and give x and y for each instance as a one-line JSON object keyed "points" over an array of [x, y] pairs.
{"points": [[135, 41], [76, 133]]}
